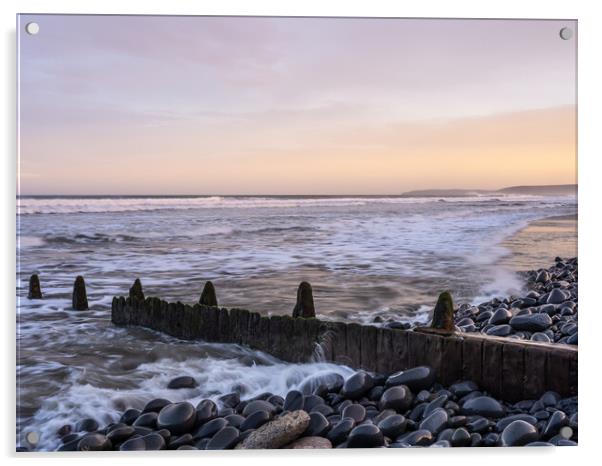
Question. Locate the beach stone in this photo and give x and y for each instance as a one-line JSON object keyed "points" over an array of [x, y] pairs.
{"points": [[325, 383], [478, 424], [531, 322], [557, 420], [398, 398], [435, 422], [376, 392], [491, 440], [206, 410], [438, 402], [184, 381], [340, 431], [229, 400], [235, 420], [120, 434], [154, 441], [501, 316], [178, 418], [557, 296], [311, 401], [573, 339], [506, 421], [519, 433], [202, 443], [174, 443], [278, 432], [86, 425], [542, 277], [225, 439], [304, 307], [461, 389], [483, 406], [421, 437], [549, 398], [255, 420], [208, 295], [129, 416], [187, 447], [94, 442], [309, 443], [155, 405], [35, 291], [293, 401], [210, 428], [136, 291], [416, 379], [541, 337], [365, 436], [393, 426], [226, 412], [357, 385], [133, 444], [259, 405], [79, 299], [318, 425], [356, 412], [460, 438], [500, 330], [64, 430]]}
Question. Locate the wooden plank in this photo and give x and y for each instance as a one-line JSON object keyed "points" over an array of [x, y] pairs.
{"points": [[433, 353], [298, 344], [417, 349], [451, 360], [243, 326], [368, 348], [234, 330], [275, 341], [354, 344], [558, 372], [339, 343], [491, 367], [536, 360], [472, 360], [263, 336], [401, 356], [513, 372], [384, 351]]}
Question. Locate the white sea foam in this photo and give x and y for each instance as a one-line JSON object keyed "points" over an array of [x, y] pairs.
{"points": [[68, 205]]}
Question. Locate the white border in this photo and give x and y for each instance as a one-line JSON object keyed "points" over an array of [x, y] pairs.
{"points": [[590, 199]]}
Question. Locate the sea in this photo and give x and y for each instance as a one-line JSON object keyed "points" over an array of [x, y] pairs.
{"points": [[368, 258]]}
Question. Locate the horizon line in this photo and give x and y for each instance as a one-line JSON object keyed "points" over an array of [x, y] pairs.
{"points": [[404, 193]]}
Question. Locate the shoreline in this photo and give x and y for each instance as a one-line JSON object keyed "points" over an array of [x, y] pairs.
{"points": [[560, 230]]}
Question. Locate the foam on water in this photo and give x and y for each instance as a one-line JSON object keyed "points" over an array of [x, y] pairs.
{"points": [[52, 205]]}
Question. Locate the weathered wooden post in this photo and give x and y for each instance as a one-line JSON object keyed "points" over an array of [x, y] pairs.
{"points": [[80, 298], [35, 292], [136, 291], [208, 296], [443, 316], [305, 301]]}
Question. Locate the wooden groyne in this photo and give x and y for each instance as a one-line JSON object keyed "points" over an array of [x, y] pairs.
{"points": [[508, 369]]}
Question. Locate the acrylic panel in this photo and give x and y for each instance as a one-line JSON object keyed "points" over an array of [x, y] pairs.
{"points": [[281, 232]]}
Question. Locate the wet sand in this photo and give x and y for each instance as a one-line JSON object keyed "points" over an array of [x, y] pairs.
{"points": [[541, 241]]}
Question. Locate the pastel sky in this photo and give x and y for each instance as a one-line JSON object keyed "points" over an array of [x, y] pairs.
{"points": [[214, 105]]}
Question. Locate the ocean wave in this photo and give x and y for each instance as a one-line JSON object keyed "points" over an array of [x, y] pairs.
{"points": [[44, 205]]}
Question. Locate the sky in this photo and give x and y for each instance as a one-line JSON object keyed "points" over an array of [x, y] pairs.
{"points": [[251, 105]]}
